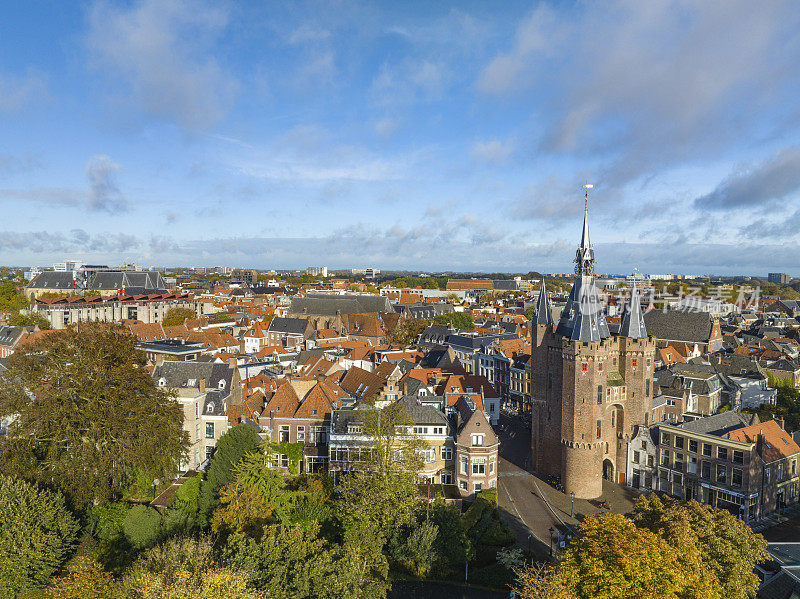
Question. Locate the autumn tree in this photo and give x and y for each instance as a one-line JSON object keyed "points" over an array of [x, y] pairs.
{"points": [[177, 316], [458, 320], [408, 331], [88, 417], [37, 534], [666, 549], [85, 579]]}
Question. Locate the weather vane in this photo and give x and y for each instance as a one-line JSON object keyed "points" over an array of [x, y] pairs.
{"points": [[586, 188]]}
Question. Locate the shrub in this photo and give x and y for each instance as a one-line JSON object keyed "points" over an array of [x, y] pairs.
{"points": [[498, 535], [142, 526]]}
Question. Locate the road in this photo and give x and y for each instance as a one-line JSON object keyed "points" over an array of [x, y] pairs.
{"points": [[525, 510]]}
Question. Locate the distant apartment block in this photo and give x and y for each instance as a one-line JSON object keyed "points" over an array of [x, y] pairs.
{"points": [[779, 278], [315, 271]]}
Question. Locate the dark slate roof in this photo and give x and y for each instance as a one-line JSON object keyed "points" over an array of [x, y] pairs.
{"points": [[51, 280], [179, 374], [677, 325], [738, 366], [544, 313], [784, 585], [421, 414], [477, 343], [293, 326], [424, 310], [214, 403], [9, 335], [328, 305], [342, 417], [582, 318], [435, 334], [719, 424], [505, 285]]}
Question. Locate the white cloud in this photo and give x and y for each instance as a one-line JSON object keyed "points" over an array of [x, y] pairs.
{"points": [[163, 51], [494, 151], [18, 92], [104, 194]]}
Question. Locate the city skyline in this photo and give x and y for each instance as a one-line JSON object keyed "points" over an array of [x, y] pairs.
{"points": [[405, 137]]}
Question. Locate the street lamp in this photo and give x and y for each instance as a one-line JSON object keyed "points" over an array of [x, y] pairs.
{"points": [[551, 541], [572, 507], [529, 543]]}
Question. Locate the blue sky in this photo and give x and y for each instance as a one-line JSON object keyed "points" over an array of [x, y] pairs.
{"points": [[401, 135]]}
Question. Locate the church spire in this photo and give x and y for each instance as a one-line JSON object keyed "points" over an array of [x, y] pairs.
{"points": [[633, 320], [543, 314], [584, 257]]}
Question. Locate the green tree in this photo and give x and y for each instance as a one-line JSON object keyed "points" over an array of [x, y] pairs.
{"points": [[417, 552], [11, 298], [408, 331], [29, 320], [37, 534], [177, 316], [530, 312], [459, 320], [142, 526], [89, 418], [236, 443]]}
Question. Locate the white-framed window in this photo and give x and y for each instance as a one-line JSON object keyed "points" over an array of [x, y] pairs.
{"points": [[447, 478], [462, 484], [354, 429], [209, 430], [301, 433], [447, 453], [491, 465], [478, 465], [428, 455], [477, 440], [478, 487], [283, 434], [463, 464]]}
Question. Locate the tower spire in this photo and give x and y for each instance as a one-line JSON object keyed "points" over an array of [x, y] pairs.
{"points": [[543, 313], [584, 257], [633, 319]]}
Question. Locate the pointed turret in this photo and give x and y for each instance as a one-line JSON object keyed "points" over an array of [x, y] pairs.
{"points": [[543, 313], [633, 319]]}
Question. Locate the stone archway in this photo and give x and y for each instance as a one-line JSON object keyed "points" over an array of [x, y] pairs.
{"points": [[608, 470]]}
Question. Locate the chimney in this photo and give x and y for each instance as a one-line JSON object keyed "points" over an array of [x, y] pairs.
{"points": [[202, 385], [781, 422], [232, 362], [760, 442]]}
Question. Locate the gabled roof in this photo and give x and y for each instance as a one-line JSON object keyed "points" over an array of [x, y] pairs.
{"points": [[361, 384], [720, 424], [329, 305], [677, 325], [290, 326], [284, 402], [777, 442]]}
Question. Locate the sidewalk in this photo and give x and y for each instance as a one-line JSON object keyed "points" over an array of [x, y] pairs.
{"points": [[776, 519]]}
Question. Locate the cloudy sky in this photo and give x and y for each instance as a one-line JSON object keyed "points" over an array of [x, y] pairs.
{"points": [[404, 135]]}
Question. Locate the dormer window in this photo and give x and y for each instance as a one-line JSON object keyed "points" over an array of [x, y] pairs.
{"points": [[162, 382], [221, 384], [210, 408], [354, 428]]}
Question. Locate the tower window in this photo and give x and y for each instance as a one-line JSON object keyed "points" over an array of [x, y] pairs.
{"points": [[599, 428], [584, 367], [599, 394], [633, 362]]}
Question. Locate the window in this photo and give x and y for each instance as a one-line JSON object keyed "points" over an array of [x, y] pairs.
{"points": [[462, 484], [478, 465], [463, 464], [679, 442], [664, 439], [707, 450], [447, 453], [647, 386], [284, 461], [614, 361], [738, 456], [354, 429], [599, 394], [447, 478], [428, 455], [583, 367], [722, 473], [650, 461], [705, 470], [600, 367], [599, 428], [679, 461], [644, 445], [478, 486], [636, 457], [722, 453], [317, 434], [301, 434], [209, 430], [491, 465], [283, 434], [736, 477], [209, 451], [477, 440], [633, 362], [664, 457], [613, 418], [693, 446]]}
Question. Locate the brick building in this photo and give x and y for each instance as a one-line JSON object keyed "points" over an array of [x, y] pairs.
{"points": [[590, 389]]}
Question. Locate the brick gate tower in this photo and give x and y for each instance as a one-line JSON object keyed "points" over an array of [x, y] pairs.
{"points": [[589, 388]]}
